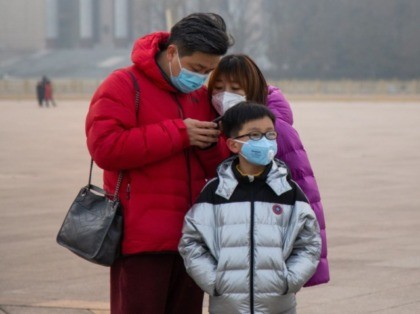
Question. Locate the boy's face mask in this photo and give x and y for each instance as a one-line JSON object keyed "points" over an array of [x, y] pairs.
{"points": [[187, 81], [224, 100], [260, 152]]}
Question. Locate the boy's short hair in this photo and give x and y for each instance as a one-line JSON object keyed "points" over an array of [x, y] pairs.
{"points": [[245, 111], [201, 32]]}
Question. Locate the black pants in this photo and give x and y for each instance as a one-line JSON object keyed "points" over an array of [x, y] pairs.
{"points": [[153, 284]]}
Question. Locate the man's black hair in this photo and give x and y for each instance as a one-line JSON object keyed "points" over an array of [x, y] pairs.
{"points": [[201, 32], [245, 111]]}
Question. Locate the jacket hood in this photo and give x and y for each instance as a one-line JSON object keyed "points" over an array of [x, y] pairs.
{"points": [[143, 56], [276, 178]]}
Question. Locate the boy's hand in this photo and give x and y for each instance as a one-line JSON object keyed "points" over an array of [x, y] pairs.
{"points": [[201, 133]]}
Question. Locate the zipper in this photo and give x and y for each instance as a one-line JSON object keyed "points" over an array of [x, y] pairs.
{"points": [[187, 156], [128, 188], [251, 262], [187, 159]]}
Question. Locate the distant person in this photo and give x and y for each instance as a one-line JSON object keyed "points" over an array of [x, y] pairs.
{"points": [[167, 152], [237, 78], [48, 92], [251, 240], [40, 92]]}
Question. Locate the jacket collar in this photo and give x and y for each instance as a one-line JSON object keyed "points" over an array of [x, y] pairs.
{"points": [[144, 55], [276, 178]]}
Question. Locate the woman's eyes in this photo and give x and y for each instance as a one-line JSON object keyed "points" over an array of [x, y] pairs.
{"points": [[231, 87]]}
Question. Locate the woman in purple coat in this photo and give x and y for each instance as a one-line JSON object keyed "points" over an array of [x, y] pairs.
{"points": [[238, 78]]}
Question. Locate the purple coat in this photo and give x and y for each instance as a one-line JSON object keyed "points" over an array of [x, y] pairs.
{"points": [[292, 152]]}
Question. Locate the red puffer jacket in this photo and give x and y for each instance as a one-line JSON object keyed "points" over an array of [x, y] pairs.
{"points": [[163, 174]]}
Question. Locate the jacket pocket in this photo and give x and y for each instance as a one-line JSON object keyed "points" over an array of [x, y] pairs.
{"points": [[285, 288], [217, 290]]}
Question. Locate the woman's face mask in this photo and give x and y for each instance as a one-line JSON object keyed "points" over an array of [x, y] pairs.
{"points": [[224, 100]]}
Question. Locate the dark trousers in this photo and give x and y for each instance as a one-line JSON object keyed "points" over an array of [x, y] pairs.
{"points": [[153, 284]]}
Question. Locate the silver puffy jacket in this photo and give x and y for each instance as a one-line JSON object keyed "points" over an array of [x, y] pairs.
{"points": [[251, 244]]}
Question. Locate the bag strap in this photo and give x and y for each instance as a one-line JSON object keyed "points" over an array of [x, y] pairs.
{"points": [[120, 176]]}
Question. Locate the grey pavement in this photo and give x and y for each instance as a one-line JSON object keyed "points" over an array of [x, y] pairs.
{"points": [[366, 157]]}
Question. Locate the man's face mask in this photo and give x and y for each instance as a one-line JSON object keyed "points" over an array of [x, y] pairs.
{"points": [[187, 81], [224, 100]]}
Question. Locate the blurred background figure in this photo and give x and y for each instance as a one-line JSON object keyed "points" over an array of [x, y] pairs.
{"points": [[48, 92], [40, 92]]}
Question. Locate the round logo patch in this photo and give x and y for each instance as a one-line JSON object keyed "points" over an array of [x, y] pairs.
{"points": [[277, 209]]}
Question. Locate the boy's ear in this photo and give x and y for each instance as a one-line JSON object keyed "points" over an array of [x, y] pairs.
{"points": [[233, 145]]}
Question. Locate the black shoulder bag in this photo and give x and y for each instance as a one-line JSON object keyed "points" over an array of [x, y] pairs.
{"points": [[93, 226]]}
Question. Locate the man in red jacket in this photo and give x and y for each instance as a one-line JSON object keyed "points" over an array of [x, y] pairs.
{"points": [[167, 152]]}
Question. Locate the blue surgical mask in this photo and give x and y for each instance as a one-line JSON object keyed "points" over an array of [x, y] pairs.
{"points": [[187, 81], [259, 152]]}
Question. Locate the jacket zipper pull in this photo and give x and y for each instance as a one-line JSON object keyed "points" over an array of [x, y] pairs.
{"points": [[128, 191]]}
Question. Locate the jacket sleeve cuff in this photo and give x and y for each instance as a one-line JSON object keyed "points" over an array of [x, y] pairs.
{"points": [[183, 132]]}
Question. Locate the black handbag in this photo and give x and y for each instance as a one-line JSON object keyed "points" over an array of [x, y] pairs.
{"points": [[93, 226]]}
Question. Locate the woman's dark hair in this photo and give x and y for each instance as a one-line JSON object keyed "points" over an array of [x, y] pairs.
{"points": [[242, 69], [235, 117], [202, 32]]}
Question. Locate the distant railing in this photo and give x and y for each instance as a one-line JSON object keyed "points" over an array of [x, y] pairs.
{"points": [[348, 87], [84, 88]]}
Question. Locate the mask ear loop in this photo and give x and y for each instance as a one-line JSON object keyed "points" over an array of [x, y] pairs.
{"points": [[179, 62], [170, 69], [242, 142]]}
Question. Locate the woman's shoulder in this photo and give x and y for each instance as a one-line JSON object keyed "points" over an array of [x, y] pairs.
{"points": [[279, 105]]}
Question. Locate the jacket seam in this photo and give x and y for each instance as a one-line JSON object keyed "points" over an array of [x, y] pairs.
{"points": [[252, 244]]}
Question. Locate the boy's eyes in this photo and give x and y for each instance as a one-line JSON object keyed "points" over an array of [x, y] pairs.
{"points": [[256, 135]]}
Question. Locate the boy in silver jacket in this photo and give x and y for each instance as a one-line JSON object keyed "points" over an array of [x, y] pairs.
{"points": [[251, 240]]}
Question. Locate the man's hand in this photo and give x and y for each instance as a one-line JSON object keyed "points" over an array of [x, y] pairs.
{"points": [[202, 133]]}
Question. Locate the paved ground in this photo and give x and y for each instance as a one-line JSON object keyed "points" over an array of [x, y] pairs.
{"points": [[366, 157]]}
